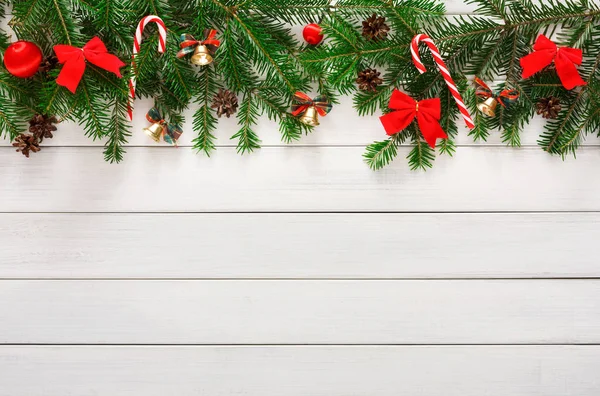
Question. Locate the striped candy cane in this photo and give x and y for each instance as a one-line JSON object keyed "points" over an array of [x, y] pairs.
{"points": [[414, 49], [137, 41]]}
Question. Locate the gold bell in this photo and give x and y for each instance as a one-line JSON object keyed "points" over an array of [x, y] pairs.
{"points": [[310, 117], [202, 56], [155, 131], [488, 107]]}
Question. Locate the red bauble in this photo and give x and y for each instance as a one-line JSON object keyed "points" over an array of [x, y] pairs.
{"points": [[23, 59], [313, 34]]}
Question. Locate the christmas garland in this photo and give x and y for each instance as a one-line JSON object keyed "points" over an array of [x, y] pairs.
{"points": [[423, 71]]}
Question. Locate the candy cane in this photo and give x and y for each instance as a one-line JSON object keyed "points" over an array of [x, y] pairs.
{"points": [[137, 41], [414, 49]]}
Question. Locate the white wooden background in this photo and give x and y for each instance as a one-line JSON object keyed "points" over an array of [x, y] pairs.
{"points": [[297, 270]]}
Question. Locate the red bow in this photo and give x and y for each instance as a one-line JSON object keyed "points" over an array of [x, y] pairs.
{"points": [[427, 112], [564, 58], [302, 102], [189, 43], [504, 97], [74, 59]]}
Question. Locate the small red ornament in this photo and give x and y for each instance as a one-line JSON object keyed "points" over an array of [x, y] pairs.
{"points": [[23, 59], [313, 34]]}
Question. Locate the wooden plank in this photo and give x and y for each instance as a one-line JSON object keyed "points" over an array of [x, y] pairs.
{"points": [[300, 312], [353, 246], [296, 179], [342, 128], [300, 371]]}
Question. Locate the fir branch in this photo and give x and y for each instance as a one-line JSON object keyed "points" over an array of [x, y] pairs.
{"points": [[205, 122], [248, 115], [118, 130]]}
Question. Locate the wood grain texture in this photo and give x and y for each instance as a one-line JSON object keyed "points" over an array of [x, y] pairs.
{"points": [[300, 312], [296, 180], [342, 128], [322, 246], [300, 371]]}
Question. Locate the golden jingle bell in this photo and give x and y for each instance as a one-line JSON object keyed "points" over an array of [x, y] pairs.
{"points": [[155, 131], [488, 107], [310, 117], [202, 56]]}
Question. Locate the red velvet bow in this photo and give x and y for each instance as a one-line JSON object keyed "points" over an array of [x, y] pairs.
{"points": [[427, 112], [564, 58], [74, 59]]}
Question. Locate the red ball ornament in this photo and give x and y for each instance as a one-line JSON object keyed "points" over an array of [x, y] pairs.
{"points": [[313, 34], [23, 59]]}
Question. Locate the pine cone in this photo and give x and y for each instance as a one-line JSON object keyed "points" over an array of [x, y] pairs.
{"points": [[368, 80], [225, 102], [548, 107], [42, 126], [26, 143], [49, 63], [375, 28]]}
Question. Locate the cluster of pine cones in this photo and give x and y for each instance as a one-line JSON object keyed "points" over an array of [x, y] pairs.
{"points": [[40, 128], [374, 29]]}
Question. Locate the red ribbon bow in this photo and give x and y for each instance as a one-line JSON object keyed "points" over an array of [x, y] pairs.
{"points": [[504, 97], [302, 102], [428, 113], [565, 59], [74, 59], [209, 41]]}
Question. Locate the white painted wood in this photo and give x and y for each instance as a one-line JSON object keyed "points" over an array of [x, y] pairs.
{"points": [[296, 179], [300, 312], [322, 172], [300, 371], [343, 127], [299, 245]]}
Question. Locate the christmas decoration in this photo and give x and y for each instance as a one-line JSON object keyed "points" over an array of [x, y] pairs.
{"points": [[414, 49], [203, 50], [48, 64], [309, 109], [225, 102], [264, 65], [427, 112], [160, 128], [368, 80], [22, 59], [26, 144], [375, 28], [41, 126], [313, 34], [137, 42], [74, 60], [548, 107], [565, 60], [490, 101]]}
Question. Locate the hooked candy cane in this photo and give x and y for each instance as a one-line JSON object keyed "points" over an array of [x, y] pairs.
{"points": [[414, 49], [137, 41]]}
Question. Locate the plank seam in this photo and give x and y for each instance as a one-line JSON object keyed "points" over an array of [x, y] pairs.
{"points": [[302, 345], [360, 212], [262, 279]]}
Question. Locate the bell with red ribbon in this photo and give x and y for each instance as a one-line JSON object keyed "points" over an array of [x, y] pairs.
{"points": [[161, 129], [309, 109], [489, 100], [74, 60], [565, 60], [203, 50], [427, 112]]}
